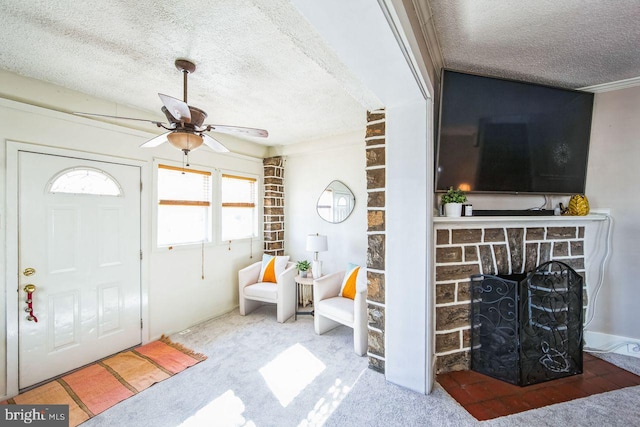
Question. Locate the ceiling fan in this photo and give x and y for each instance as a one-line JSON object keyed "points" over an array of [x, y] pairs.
{"points": [[186, 128]]}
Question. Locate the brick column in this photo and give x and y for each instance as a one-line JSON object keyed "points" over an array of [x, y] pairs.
{"points": [[376, 236], [273, 205]]}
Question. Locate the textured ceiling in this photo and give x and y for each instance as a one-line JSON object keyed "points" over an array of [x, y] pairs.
{"points": [[567, 43], [259, 64]]}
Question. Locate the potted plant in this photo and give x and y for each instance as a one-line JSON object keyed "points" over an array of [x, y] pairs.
{"points": [[303, 267], [452, 201]]}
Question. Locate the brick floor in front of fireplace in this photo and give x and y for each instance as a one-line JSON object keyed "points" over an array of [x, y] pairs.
{"points": [[486, 398]]}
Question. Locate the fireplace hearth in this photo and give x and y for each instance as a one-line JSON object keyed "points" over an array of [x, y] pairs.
{"points": [[527, 328]]}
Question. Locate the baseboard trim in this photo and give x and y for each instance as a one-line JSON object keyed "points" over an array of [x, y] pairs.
{"points": [[600, 341]]}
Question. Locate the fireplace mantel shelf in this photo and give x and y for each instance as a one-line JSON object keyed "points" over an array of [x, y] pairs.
{"points": [[518, 219]]}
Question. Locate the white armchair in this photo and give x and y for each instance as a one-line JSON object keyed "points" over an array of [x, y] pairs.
{"points": [[253, 294], [331, 310]]}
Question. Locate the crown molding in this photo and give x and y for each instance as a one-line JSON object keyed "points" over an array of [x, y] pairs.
{"points": [[425, 17], [608, 87]]}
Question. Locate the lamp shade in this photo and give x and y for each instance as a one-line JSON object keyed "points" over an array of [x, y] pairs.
{"points": [[185, 140], [316, 243]]}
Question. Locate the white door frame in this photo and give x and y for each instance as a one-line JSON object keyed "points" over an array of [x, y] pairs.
{"points": [[12, 296]]}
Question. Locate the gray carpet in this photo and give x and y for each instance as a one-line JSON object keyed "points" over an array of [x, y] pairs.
{"points": [[262, 373]]}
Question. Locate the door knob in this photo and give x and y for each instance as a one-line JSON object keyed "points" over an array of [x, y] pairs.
{"points": [[29, 271], [30, 288]]}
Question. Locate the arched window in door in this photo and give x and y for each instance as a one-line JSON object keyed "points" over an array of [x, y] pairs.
{"points": [[84, 180]]}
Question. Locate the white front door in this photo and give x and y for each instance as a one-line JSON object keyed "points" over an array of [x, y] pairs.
{"points": [[79, 245]]}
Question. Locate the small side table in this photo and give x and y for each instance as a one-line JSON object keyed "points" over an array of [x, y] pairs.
{"points": [[306, 296]]}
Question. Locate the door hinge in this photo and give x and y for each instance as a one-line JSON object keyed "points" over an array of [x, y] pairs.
{"points": [[141, 324], [141, 186], [141, 254]]}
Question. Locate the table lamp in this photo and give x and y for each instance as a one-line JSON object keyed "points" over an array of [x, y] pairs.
{"points": [[316, 243]]}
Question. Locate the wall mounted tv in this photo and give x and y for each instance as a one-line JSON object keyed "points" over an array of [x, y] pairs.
{"points": [[503, 136]]}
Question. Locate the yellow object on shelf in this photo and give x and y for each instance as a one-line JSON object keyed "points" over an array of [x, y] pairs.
{"points": [[578, 205]]}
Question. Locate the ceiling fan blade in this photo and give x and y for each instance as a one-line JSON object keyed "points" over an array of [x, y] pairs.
{"points": [[238, 130], [213, 144], [178, 109], [118, 117], [154, 142]]}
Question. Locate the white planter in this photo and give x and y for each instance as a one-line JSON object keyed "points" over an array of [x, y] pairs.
{"points": [[453, 209]]}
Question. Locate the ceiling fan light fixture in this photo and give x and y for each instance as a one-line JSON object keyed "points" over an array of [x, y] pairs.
{"points": [[185, 141]]}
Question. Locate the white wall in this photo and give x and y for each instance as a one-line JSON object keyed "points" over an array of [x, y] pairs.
{"points": [[612, 182], [309, 168], [409, 232], [363, 38], [177, 296]]}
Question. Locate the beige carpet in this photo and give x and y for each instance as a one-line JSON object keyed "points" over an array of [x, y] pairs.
{"points": [[262, 373]]}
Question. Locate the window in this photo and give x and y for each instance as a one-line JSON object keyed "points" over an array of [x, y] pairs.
{"points": [[85, 181], [184, 206], [239, 216]]}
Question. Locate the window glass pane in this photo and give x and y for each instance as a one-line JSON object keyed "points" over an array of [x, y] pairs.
{"points": [[85, 181], [236, 190], [238, 223], [183, 224], [183, 185], [184, 206], [239, 218]]}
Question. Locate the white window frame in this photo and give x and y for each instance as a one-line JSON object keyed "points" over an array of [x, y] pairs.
{"points": [[214, 212], [257, 205]]}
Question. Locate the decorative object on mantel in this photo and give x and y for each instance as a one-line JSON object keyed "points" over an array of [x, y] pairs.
{"points": [[452, 201], [303, 267], [316, 243], [578, 206]]}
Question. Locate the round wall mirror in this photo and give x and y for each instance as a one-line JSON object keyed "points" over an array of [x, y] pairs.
{"points": [[336, 202]]}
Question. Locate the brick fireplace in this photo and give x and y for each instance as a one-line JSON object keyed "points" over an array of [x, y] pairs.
{"points": [[468, 246]]}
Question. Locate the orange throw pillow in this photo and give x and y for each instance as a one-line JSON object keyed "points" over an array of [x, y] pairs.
{"points": [[348, 289]]}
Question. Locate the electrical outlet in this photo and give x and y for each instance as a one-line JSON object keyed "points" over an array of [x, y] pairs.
{"points": [[633, 348], [185, 332]]}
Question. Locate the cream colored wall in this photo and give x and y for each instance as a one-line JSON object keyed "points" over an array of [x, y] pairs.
{"points": [[612, 182], [309, 168], [177, 295]]}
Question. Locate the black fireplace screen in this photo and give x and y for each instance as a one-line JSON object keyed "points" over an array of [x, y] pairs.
{"points": [[527, 328]]}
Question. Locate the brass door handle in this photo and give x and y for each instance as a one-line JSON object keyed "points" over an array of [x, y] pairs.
{"points": [[30, 288]]}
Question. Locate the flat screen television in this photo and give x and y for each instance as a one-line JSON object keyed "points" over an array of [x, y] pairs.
{"points": [[504, 136]]}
